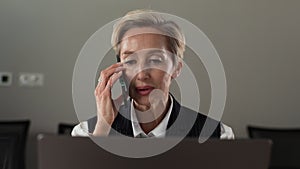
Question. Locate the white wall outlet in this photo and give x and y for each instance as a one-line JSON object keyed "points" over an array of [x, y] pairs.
{"points": [[5, 78], [31, 79]]}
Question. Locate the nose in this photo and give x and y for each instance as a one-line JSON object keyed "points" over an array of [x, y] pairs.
{"points": [[142, 71], [143, 75]]}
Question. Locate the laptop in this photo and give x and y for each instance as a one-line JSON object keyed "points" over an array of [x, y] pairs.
{"points": [[65, 152]]}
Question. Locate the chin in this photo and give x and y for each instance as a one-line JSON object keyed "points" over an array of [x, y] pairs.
{"points": [[142, 101]]}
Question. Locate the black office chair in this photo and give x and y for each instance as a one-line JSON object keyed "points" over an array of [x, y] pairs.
{"points": [[286, 145], [13, 137], [65, 129]]}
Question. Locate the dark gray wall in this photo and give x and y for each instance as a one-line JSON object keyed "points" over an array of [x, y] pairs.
{"points": [[257, 40]]}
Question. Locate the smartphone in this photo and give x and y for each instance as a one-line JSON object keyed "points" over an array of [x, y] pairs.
{"points": [[123, 85]]}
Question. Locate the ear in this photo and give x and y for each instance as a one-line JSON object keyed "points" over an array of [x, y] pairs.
{"points": [[177, 70]]}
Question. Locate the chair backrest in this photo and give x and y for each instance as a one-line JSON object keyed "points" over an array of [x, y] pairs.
{"points": [[13, 137], [65, 129], [286, 145]]}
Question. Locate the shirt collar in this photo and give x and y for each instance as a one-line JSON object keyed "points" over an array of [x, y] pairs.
{"points": [[158, 131]]}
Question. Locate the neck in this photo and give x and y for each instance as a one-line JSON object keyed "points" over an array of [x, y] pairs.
{"points": [[153, 117]]}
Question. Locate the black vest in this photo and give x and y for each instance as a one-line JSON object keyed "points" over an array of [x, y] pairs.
{"points": [[183, 122]]}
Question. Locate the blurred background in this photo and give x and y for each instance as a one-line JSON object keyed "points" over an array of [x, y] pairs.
{"points": [[257, 41]]}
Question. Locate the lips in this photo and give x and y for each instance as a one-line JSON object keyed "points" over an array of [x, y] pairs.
{"points": [[144, 90]]}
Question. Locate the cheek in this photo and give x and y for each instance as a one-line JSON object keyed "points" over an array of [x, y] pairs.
{"points": [[129, 76], [163, 79], [168, 68]]}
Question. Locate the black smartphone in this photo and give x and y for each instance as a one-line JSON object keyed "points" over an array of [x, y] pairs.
{"points": [[123, 84]]}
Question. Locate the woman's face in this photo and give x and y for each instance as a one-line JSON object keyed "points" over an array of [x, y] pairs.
{"points": [[149, 65]]}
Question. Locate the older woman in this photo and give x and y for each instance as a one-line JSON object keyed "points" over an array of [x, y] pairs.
{"points": [[150, 49]]}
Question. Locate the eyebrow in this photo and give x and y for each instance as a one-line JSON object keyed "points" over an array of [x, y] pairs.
{"points": [[156, 51], [127, 53]]}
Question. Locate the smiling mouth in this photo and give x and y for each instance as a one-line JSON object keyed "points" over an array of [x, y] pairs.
{"points": [[144, 91]]}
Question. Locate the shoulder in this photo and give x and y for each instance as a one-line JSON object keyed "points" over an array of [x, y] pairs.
{"points": [[226, 132], [200, 117], [81, 129], [187, 111], [202, 125]]}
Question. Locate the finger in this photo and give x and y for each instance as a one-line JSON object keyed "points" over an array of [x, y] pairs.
{"points": [[107, 88], [106, 75], [110, 83], [112, 80], [112, 69], [109, 72], [102, 84], [115, 77], [115, 65]]}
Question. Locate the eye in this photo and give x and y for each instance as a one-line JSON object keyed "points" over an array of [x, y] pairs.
{"points": [[155, 61], [130, 62]]}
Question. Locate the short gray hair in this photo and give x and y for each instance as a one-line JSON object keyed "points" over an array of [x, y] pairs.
{"points": [[149, 18]]}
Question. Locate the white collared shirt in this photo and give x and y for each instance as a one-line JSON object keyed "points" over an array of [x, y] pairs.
{"points": [[159, 131]]}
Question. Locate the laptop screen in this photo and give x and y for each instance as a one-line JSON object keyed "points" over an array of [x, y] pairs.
{"points": [[61, 152]]}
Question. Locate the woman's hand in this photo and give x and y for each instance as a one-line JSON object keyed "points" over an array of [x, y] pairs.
{"points": [[107, 109]]}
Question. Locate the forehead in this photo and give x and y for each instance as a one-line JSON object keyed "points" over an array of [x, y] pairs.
{"points": [[141, 30], [137, 39]]}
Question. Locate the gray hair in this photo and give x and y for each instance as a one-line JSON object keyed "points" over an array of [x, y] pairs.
{"points": [[149, 18]]}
